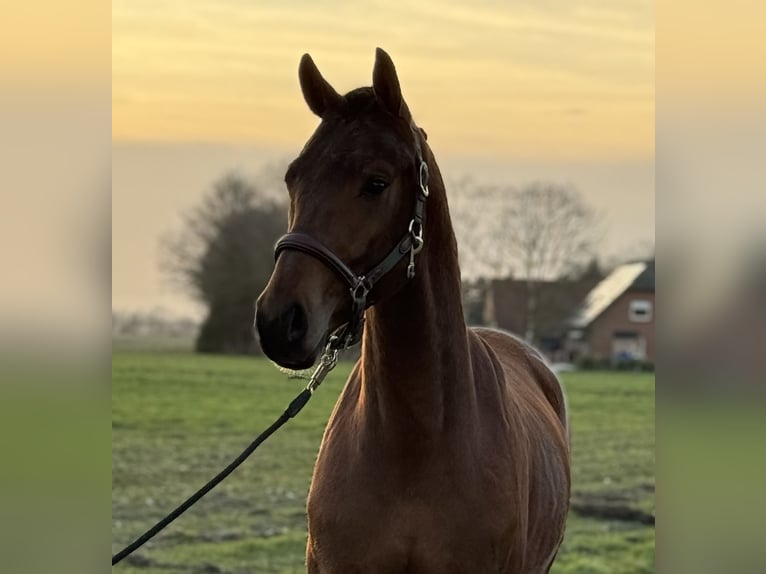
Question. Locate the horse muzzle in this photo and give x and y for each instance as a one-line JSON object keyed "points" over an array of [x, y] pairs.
{"points": [[284, 336]]}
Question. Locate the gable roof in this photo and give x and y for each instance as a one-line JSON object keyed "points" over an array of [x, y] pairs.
{"points": [[637, 275]]}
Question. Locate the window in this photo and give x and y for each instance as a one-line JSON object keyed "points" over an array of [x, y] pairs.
{"points": [[575, 335], [640, 311], [628, 346]]}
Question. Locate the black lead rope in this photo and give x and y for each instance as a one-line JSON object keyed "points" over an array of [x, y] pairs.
{"points": [[293, 409]]}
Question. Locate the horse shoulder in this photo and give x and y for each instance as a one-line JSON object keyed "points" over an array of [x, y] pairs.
{"points": [[518, 357]]}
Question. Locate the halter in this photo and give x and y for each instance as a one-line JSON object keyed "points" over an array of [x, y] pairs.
{"points": [[360, 285]]}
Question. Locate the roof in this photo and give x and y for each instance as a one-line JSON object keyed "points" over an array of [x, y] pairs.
{"points": [[645, 281], [638, 275]]}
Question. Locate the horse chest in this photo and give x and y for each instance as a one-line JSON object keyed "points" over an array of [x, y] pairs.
{"points": [[366, 517]]}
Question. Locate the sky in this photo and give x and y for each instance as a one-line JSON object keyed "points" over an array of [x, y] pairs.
{"points": [[508, 92]]}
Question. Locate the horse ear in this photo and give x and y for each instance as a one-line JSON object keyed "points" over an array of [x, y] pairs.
{"points": [[385, 84], [318, 93]]}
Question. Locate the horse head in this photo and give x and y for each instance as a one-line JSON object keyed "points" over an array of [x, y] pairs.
{"points": [[353, 191]]}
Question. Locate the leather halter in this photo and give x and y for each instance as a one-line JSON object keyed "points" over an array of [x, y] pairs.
{"points": [[361, 285]]}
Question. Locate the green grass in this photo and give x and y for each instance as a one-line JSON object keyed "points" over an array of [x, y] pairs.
{"points": [[177, 419]]}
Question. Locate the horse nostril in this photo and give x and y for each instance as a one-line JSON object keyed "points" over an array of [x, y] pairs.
{"points": [[297, 324]]}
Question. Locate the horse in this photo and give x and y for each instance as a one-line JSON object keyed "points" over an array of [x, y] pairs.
{"points": [[448, 448]]}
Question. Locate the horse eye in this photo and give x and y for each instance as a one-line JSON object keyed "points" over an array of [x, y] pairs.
{"points": [[374, 186]]}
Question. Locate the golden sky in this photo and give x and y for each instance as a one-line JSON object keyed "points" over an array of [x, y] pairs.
{"points": [[508, 90], [532, 79]]}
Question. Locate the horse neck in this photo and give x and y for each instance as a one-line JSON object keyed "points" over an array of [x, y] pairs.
{"points": [[415, 363]]}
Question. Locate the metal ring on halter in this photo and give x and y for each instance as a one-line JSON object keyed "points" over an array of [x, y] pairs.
{"points": [[424, 177], [416, 235], [417, 245], [360, 291]]}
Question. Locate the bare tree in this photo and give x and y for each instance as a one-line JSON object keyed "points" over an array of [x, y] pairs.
{"points": [[223, 257], [540, 232]]}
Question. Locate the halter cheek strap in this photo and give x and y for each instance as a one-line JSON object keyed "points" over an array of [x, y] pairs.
{"points": [[361, 285]]}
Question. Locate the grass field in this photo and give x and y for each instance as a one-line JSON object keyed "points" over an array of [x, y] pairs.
{"points": [[177, 419]]}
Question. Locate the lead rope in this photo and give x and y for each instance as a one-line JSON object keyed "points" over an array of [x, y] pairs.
{"points": [[327, 362]]}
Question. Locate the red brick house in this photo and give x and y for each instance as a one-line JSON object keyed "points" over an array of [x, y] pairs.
{"points": [[615, 322], [505, 307]]}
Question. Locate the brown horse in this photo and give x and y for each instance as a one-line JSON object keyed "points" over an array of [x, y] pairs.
{"points": [[447, 451]]}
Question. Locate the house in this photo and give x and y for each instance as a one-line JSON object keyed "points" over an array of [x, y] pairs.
{"points": [[506, 307], [615, 322]]}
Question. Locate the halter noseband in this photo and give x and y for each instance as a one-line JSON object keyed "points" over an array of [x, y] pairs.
{"points": [[361, 285]]}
